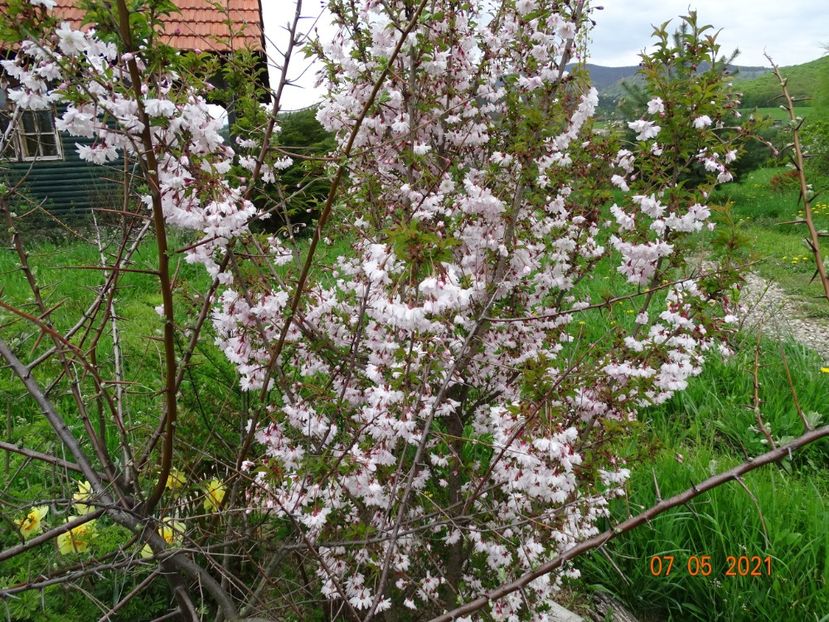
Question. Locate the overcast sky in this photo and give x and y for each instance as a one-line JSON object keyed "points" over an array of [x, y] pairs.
{"points": [[792, 31]]}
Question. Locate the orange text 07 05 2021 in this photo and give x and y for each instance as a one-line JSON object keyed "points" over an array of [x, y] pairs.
{"points": [[702, 565]]}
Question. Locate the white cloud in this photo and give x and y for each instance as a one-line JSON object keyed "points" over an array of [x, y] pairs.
{"points": [[792, 33]]}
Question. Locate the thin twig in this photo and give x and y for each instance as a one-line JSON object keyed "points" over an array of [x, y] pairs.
{"points": [[793, 390], [740, 481]]}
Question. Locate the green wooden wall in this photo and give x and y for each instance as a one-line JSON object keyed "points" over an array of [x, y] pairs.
{"points": [[68, 185]]}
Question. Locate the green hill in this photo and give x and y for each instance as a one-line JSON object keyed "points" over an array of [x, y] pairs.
{"points": [[808, 80]]}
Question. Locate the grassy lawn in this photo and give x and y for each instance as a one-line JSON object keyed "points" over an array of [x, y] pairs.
{"points": [[782, 511], [779, 249]]}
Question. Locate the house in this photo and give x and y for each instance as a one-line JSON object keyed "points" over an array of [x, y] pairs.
{"points": [[48, 159]]}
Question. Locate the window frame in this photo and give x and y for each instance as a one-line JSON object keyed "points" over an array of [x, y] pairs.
{"points": [[22, 136]]}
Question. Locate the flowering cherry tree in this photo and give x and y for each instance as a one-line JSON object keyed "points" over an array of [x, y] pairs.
{"points": [[453, 424], [436, 413]]}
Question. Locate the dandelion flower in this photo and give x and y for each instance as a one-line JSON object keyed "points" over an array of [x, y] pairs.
{"points": [[32, 524], [824, 370], [77, 539], [214, 494]]}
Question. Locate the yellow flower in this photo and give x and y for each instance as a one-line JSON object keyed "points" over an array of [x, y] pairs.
{"points": [[84, 494], [77, 539], [175, 479], [214, 494], [33, 523], [824, 370], [171, 530]]}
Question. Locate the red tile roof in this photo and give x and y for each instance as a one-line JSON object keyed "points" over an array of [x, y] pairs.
{"points": [[198, 25]]}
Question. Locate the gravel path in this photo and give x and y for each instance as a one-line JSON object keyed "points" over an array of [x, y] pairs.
{"points": [[780, 315]]}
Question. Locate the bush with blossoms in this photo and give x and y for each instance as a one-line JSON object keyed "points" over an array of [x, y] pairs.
{"points": [[437, 410]]}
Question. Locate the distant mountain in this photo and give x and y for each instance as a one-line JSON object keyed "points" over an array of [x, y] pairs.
{"points": [[604, 77], [608, 80]]}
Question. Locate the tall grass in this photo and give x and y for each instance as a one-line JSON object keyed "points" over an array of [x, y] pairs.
{"points": [[782, 512]]}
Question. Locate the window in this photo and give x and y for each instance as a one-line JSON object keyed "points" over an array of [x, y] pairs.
{"points": [[33, 135], [38, 137]]}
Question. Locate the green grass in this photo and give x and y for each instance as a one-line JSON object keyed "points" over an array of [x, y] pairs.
{"points": [[69, 288], [777, 113], [711, 427], [779, 249], [784, 514]]}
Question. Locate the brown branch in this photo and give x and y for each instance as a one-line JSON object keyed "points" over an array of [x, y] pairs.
{"points": [[596, 541], [82, 570], [45, 324], [754, 500], [52, 416], [36, 455], [792, 390], [150, 166], [177, 564], [125, 255], [113, 269], [801, 175], [118, 414]]}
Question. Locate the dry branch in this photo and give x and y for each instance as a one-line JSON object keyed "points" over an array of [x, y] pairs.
{"points": [[814, 237]]}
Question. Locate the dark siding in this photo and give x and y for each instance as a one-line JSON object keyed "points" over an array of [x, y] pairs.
{"points": [[68, 185]]}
